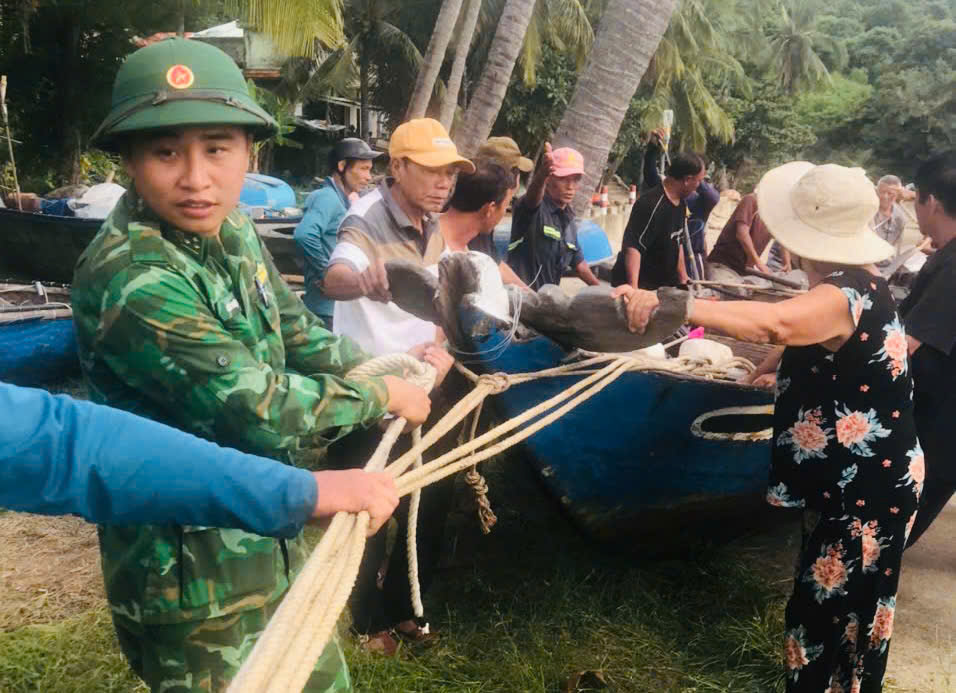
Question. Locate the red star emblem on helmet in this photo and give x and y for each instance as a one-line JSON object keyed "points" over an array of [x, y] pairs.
{"points": [[180, 77]]}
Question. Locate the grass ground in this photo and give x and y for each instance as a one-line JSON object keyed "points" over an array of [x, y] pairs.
{"points": [[524, 609]]}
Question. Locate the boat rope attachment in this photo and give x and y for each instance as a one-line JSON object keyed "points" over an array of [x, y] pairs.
{"points": [[285, 654]]}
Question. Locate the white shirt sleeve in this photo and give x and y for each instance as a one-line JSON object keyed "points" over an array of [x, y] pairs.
{"points": [[349, 254]]}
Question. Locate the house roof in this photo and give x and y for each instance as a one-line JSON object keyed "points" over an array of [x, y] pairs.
{"points": [[227, 30]]}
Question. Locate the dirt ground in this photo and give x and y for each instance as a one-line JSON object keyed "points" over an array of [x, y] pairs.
{"points": [[49, 569]]}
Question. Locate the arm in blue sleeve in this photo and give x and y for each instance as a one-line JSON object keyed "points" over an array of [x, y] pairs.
{"points": [[63, 456]]}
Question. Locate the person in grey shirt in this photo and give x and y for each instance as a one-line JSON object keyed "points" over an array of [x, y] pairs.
{"points": [[890, 219]]}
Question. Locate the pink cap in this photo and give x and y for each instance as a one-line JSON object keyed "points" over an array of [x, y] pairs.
{"points": [[567, 162]]}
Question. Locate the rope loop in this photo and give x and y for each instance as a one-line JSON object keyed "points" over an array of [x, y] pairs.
{"points": [[496, 382], [405, 366]]}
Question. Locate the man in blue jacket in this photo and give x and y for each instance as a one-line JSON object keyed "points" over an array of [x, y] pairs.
{"points": [[61, 456], [316, 235]]}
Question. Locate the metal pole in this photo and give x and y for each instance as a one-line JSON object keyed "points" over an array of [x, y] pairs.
{"points": [[6, 125]]}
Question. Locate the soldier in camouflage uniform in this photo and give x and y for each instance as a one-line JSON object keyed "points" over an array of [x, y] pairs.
{"points": [[181, 316]]}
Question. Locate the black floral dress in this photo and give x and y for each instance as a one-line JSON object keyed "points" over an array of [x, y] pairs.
{"points": [[845, 449]]}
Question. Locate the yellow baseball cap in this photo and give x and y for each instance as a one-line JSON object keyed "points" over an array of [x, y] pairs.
{"points": [[505, 151], [426, 142]]}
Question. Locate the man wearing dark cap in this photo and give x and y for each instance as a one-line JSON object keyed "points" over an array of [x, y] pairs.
{"points": [[503, 152], [350, 161]]}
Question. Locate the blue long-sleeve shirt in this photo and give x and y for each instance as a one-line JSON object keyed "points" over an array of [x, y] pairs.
{"points": [[63, 456], [316, 236]]}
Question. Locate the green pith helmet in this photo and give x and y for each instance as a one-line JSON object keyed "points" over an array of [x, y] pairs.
{"points": [[176, 83]]}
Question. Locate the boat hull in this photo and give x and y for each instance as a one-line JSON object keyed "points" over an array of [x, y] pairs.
{"points": [[37, 351], [626, 464], [45, 247]]}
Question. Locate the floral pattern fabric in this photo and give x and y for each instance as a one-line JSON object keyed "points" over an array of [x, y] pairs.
{"points": [[845, 450]]}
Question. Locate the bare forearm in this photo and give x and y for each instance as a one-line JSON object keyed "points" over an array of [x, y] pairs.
{"points": [[821, 316], [342, 283], [632, 264], [746, 242], [585, 273], [508, 276], [751, 322]]}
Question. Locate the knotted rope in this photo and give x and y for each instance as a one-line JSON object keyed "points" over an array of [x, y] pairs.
{"points": [[283, 658]]}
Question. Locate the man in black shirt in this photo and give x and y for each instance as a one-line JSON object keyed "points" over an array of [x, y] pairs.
{"points": [[929, 313], [700, 203], [544, 233], [651, 253]]}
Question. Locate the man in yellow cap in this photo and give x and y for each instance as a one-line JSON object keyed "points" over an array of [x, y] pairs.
{"points": [[398, 220]]}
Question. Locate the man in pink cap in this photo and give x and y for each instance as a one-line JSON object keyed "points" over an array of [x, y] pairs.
{"points": [[544, 232]]}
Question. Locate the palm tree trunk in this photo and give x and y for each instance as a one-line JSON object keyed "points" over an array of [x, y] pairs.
{"points": [[626, 40], [181, 24], [462, 46], [434, 57], [490, 92], [363, 96]]}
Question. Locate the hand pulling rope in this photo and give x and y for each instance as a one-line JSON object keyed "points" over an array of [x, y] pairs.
{"points": [[283, 658]]}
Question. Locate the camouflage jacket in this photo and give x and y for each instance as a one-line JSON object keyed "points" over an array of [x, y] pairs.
{"points": [[203, 334]]}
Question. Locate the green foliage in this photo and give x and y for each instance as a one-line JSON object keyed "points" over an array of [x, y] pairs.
{"points": [[694, 58], [833, 106], [61, 57], [530, 114], [769, 133], [77, 655]]}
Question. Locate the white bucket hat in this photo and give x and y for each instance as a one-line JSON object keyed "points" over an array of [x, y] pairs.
{"points": [[822, 213]]}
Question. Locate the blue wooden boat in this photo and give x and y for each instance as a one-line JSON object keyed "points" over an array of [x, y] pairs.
{"points": [[626, 463], [36, 335], [45, 247]]}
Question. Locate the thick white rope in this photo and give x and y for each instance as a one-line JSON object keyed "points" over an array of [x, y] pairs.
{"points": [[285, 654], [697, 427], [298, 632], [411, 546]]}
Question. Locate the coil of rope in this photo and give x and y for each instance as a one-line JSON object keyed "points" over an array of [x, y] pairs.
{"points": [[285, 654]]}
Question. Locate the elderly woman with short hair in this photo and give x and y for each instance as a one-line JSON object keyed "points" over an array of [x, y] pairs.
{"points": [[890, 219], [845, 447]]}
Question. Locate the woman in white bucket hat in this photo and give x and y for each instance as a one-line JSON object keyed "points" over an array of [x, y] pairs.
{"points": [[844, 447]]}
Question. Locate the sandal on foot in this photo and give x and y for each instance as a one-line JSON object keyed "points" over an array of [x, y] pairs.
{"points": [[414, 633], [379, 643]]}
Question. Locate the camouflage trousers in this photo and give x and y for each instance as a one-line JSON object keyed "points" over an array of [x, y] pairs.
{"points": [[204, 656]]}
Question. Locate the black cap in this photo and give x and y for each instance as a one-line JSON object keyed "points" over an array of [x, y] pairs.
{"points": [[351, 148]]}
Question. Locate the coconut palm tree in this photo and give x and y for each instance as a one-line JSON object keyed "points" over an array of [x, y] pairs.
{"points": [[434, 56], [695, 51], [627, 38], [466, 33], [296, 27], [372, 42], [490, 92], [793, 44], [565, 24]]}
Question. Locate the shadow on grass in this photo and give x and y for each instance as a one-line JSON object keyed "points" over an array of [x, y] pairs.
{"points": [[535, 602]]}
